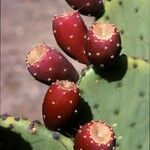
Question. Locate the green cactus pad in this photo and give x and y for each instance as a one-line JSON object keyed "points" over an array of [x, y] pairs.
{"points": [[132, 19], [16, 133], [119, 96]]}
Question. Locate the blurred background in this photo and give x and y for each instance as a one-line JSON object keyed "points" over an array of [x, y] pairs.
{"points": [[24, 24]]}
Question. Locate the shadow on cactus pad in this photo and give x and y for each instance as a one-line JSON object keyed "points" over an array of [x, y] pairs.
{"points": [[10, 140], [115, 72], [81, 117]]}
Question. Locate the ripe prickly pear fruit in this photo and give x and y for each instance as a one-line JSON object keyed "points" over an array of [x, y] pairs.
{"points": [[87, 7], [95, 135], [48, 65], [60, 103], [103, 44], [69, 31]]}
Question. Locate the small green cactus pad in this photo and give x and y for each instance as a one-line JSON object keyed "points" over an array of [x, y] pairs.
{"points": [[119, 96], [132, 19], [22, 134]]}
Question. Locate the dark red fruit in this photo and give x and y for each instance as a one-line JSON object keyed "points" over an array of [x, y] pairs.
{"points": [[95, 135], [69, 31], [48, 65], [60, 103], [103, 44], [87, 7]]}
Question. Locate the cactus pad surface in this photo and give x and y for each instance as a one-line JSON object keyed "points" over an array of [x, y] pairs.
{"points": [[17, 133], [120, 97]]}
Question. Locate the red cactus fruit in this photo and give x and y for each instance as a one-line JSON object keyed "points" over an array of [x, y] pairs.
{"points": [[48, 65], [95, 135], [87, 7], [69, 31], [60, 103], [103, 44]]}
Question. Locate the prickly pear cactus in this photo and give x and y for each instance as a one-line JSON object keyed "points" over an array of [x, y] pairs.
{"points": [[30, 135], [132, 18], [120, 97]]}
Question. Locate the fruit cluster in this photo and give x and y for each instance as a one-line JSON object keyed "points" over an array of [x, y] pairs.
{"points": [[99, 46]]}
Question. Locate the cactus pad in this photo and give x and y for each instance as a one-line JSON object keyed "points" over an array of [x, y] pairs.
{"points": [[120, 97], [132, 18], [16, 133]]}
